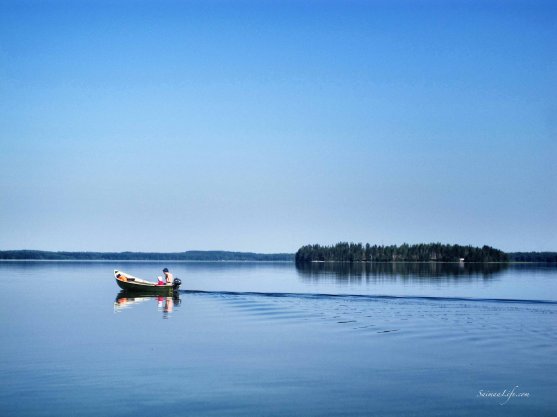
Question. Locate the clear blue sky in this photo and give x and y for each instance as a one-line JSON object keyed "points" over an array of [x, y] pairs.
{"points": [[262, 126]]}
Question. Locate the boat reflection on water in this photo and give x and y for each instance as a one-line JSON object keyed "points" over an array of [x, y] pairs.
{"points": [[165, 304]]}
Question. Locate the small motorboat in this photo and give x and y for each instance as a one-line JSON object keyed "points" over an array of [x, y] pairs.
{"points": [[130, 283]]}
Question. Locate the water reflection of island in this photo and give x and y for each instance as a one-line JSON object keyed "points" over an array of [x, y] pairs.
{"points": [[345, 271], [166, 305]]}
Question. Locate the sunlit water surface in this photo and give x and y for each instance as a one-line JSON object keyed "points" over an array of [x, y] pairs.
{"points": [[273, 339]]}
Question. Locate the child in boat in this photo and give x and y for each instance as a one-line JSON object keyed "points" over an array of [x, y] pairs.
{"points": [[160, 281]]}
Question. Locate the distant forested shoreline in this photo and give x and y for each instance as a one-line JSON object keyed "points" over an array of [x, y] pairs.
{"points": [[533, 257], [424, 252], [341, 252], [193, 255]]}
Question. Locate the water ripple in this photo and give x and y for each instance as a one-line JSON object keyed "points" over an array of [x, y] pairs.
{"points": [[370, 297]]}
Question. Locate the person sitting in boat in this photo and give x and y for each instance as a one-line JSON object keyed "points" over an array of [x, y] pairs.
{"points": [[160, 281], [168, 276]]}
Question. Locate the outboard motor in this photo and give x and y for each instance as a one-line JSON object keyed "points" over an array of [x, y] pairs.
{"points": [[176, 283]]}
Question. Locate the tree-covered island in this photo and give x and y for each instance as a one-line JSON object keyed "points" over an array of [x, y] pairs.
{"points": [[423, 252]]}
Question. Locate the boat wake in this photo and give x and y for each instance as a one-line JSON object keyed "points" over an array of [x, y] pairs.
{"points": [[483, 322], [367, 297]]}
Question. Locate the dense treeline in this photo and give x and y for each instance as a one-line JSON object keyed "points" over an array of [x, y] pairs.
{"points": [[533, 257], [436, 252], [146, 256], [348, 252]]}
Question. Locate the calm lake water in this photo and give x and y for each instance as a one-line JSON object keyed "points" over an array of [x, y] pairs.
{"points": [[273, 339]]}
